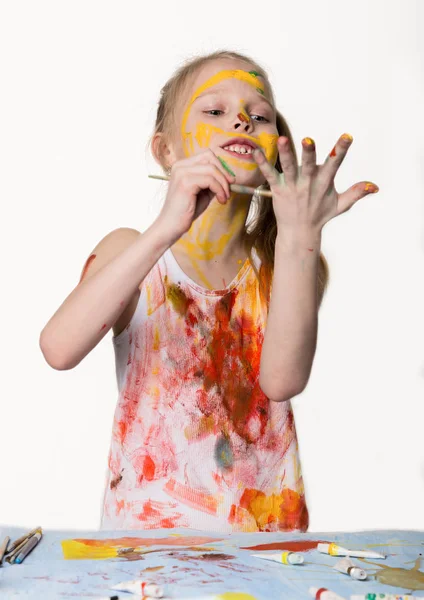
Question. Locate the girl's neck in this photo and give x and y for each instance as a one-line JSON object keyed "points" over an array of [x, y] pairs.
{"points": [[216, 236]]}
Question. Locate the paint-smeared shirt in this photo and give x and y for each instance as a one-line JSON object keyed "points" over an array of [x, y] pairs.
{"points": [[195, 441]]}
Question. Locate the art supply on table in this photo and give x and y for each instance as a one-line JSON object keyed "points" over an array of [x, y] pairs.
{"points": [[11, 555], [234, 187], [374, 596], [137, 586], [324, 594], [347, 566], [23, 538], [335, 550], [29, 546], [225, 596], [286, 558], [3, 548]]}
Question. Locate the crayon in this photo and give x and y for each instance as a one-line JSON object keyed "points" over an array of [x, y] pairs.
{"points": [[3, 548], [324, 594], [137, 586], [335, 550], [286, 558], [29, 546]]}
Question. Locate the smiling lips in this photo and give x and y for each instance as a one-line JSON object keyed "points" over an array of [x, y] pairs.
{"points": [[240, 147]]}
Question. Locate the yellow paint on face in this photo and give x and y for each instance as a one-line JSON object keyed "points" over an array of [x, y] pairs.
{"points": [[204, 131], [266, 141], [199, 249]]}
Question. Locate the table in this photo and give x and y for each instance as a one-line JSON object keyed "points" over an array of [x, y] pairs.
{"points": [[188, 562]]}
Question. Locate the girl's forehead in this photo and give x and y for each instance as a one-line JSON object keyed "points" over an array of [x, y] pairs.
{"points": [[215, 76]]}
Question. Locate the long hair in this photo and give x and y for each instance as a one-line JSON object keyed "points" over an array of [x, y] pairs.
{"points": [[261, 231]]}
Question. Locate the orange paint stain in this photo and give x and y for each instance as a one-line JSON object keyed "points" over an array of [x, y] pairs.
{"points": [[149, 469], [191, 497], [136, 542], [285, 511], [200, 429]]}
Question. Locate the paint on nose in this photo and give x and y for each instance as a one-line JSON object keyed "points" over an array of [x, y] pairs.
{"points": [[243, 117]]}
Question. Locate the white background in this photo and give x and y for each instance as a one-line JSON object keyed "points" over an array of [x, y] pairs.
{"points": [[80, 83]]}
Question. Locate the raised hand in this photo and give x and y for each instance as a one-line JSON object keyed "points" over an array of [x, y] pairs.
{"points": [[305, 197]]}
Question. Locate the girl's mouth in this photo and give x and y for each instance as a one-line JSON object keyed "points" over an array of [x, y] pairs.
{"points": [[245, 156]]}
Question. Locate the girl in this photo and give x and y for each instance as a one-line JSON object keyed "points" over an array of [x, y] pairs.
{"points": [[214, 325]]}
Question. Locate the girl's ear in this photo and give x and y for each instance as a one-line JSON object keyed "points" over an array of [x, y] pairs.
{"points": [[163, 150]]}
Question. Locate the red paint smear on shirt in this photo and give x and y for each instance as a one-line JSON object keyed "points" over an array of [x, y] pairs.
{"points": [[292, 546], [152, 512]]}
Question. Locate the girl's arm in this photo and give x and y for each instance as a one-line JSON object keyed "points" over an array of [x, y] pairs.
{"points": [[291, 332], [110, 279]]}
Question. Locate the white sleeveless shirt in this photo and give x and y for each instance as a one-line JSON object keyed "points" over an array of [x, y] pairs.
{"points": [[195, 442]]}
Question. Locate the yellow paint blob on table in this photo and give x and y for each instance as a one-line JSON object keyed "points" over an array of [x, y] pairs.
{"points": [[73, 550]]}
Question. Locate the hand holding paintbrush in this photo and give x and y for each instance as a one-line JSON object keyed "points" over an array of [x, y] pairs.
{"points": [[195, 181]]}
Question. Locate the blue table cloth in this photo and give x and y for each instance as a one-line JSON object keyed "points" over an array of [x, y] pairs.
{"points": [[188, 568]]}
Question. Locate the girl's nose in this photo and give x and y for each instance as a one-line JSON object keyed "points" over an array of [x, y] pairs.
{"points": [[243, 121]]}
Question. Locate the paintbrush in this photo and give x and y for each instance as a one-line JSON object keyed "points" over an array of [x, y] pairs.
{"points": [[234, 187], [24, 538]]}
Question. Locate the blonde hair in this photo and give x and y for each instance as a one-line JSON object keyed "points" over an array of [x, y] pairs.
{"points": [[262, 231]]}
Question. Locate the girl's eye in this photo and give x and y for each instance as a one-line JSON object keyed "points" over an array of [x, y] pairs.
{"points": [[206, 112]]}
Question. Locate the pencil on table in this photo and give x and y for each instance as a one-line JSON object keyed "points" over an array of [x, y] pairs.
{"points": [[234, 187]]}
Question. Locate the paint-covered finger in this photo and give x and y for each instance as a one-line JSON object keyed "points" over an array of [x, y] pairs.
{"points": [[309, 156], [337, 155], [268, 171]]}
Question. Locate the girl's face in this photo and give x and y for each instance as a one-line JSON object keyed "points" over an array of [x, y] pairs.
{"points": [[229, 102]]}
